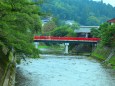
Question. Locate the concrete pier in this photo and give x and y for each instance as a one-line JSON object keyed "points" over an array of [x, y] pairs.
{"points": [[66, 48], [36, 44]]}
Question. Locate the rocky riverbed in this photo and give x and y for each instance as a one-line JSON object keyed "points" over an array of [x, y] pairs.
{"points": [[61, 70]]}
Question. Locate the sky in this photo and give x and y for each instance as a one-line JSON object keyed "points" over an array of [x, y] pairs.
{"points": [[112, 2]]}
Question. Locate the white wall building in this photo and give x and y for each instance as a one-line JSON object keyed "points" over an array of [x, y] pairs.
{"points": [[84, 31]]}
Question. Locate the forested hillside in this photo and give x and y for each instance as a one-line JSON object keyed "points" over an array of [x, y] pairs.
{"points": [[85, 12]]}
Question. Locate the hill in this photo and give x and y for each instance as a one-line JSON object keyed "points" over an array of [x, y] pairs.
{"points": [[85, 12]]}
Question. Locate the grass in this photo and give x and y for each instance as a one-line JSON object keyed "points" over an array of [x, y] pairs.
{"points": [[56, 47], [112, 61], [100, 57], [42, 46], [52, 49], [101, 53]]}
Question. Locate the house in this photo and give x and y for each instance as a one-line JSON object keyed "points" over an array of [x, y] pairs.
{"points": [[85, 31], [46, 20], [69, 22], [112, 21]]}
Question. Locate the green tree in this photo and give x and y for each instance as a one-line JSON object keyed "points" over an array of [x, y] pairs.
{"points": [[92, 20], [107, 35], [86, 12], [63, 31], [49, 26], [19, 21], [75, 25], [95, 32]]}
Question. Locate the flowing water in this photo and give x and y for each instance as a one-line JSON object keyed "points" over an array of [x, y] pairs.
{"points": [[60, 70]]}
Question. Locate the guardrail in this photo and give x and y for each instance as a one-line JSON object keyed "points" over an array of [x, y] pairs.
{"points": [[65, 38]]}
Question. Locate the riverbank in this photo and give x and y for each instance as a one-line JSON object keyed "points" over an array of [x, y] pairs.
{"points": [[100, 53], [60, 49], [53, 49], [104, 55]]}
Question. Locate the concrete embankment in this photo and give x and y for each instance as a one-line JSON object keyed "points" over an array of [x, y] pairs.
{"points": [[7, 68], [105, 55]]}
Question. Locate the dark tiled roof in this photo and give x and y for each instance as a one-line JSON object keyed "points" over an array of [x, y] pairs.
{"points": [[112, 20]]}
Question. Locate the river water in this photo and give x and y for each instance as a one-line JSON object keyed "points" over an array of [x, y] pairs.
{"points": [[60, 70]]}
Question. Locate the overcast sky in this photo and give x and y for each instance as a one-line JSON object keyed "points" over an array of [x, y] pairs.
{"points": [[112, 2]]}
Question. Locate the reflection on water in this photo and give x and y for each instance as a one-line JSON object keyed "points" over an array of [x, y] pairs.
{"points": [[53, 70]]}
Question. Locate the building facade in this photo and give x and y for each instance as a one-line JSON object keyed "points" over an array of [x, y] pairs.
{"points": [[85, 31], [112, 21]]}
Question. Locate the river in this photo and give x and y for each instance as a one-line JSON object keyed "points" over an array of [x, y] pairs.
{"points": [[61, 70]]}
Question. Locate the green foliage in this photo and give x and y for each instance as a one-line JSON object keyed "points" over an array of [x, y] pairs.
{"points": [[95, 32], [92, 20], [112, 61], [19, 21], [107, 44], [63, 31], [101, 53], [75, 25], [58, 21], [49, 26], [107, 34], [85, 12]]}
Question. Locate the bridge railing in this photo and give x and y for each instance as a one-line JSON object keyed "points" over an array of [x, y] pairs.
{"points": [[65, 38]]}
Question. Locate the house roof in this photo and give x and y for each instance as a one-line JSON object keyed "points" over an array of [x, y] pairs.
{"points": [[85, 29], [112, 20]]}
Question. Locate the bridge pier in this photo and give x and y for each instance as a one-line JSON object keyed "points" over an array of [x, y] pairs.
{"points": [[36, 44], [86, 35], [95, 45], [66, 48]]}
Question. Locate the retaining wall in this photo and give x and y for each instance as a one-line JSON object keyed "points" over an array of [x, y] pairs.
{"points": [[7, 68], [103, 53]]}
